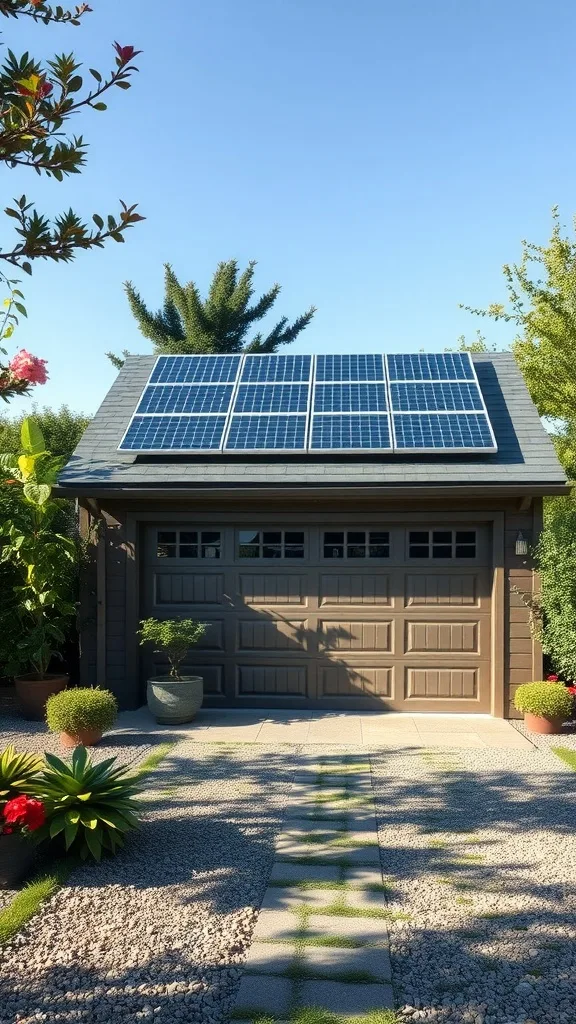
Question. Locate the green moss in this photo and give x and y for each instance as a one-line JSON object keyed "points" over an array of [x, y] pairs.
{"points": [[313, 1015], [153, 760]]}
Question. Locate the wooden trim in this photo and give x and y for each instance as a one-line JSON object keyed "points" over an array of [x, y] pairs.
{"points": [[370, 516], [537, 655], [132, 652], [498, 613], [101, 602]]}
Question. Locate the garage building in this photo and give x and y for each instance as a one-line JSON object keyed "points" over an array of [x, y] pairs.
{"points": [[346, 577]]}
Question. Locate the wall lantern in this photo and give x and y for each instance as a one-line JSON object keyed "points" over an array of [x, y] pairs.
{"points": [[521, 544]]}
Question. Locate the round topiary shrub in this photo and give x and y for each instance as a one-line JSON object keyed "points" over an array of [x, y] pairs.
{"points": [[547, 700], [81, 708]]}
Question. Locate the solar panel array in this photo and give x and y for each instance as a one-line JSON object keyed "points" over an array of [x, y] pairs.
{"points": [[424, 403]]}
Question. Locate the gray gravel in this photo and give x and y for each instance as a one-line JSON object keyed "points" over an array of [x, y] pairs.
{"points": [[479, 848], [564, 739], [160, 931], [129, 748]]}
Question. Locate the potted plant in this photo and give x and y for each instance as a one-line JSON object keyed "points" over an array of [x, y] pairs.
{"points": [[20, 816], [174, 698], [44, 560], [81, 715], [546, 705]]}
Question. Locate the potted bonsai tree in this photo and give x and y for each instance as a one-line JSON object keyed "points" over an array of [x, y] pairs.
{"points": [[19, 817], [44, 561], [81, 715], [546, 705], [174, 698]]}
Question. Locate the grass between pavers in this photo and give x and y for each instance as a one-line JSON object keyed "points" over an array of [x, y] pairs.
{"points": [[315, 1015], [28, 901], [568, 756], [345, 886]]}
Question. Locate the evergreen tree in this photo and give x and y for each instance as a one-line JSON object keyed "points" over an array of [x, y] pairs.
{"points": [[188, 324]]}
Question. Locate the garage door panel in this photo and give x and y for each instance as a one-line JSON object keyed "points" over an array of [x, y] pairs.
{"points": [[438, 589], [354, 589], [447, 683], [352, 635], [273, 680], [273, 589], [272, 635], [344, 680], [442, 637], [179, 588]]}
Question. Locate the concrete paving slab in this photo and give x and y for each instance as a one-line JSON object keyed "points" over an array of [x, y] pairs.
{"points": [[331, 960], [353, 855], [276, 926], [282, 872], [269, 958], [265, 994], [366, 899], [362, 876], [276, 898], [366, 931], [303, 825], [339, 997]]}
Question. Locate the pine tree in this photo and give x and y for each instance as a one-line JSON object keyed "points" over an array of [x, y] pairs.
{"points": [[188, 324]]}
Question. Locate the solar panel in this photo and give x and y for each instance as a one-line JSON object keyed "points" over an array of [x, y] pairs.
{"points": [[174, 433], [272, 398], [195, 370], [264, 369], [350, 368], [424, 366], [430, 432], [266, 433], [173, 398], [435, 396], [350, 398], [329, 403], [350, 433]]}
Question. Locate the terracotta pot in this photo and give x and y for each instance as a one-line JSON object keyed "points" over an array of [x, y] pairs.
{"points": [[548, 726], [174, 701], [81, 738], [33, 693], [17, 855]]}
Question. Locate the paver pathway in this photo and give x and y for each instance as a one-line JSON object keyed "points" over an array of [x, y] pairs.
{"points": [[321, 938]]}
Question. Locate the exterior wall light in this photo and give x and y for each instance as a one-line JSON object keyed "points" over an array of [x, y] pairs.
{"points": [[521, 544]]}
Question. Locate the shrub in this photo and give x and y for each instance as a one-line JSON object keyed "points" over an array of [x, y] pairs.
{"points": [[92, 806], [549, 700], [173, 637], [81, 708], [17, 772]]}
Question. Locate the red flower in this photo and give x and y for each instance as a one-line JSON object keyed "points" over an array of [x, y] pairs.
{"points": [[552, 679], [42, 90], [125, 53], [572, 690], [25, 812]]}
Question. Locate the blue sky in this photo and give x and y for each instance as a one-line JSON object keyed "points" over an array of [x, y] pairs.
{"points": [[380, 160]]}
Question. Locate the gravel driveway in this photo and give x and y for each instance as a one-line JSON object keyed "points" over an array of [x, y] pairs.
{"points": [[480, 848], [159, 932]]}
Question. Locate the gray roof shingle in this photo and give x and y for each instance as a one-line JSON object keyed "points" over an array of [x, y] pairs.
{"points": [[525, 453]]}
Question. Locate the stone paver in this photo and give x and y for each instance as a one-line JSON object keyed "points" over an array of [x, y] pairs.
{"points": [[366, 931], [284, 871], [330, 960], [276, 926], [277, 898], [264, 994], [339, 997], [269, 958]]}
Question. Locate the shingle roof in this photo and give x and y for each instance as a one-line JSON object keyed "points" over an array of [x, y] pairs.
{"points": [[525, 453]]}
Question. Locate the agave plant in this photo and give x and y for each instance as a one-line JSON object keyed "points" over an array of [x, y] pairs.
{"points": [[91, 805], [17, 773]]}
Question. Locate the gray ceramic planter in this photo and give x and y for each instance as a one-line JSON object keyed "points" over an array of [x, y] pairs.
{"points": [[173, 701]]}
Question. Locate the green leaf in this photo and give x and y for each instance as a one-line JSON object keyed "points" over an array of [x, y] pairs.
{"points": [[98, 221], [94, 843], [95, 74], [21, 309], [99, 106], [37, 494], [79, 759], [31, 437]]}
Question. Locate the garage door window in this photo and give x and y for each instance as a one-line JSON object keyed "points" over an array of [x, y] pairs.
{"points": [[271, 544], [188, 544], [442, 543], [356, 544]]}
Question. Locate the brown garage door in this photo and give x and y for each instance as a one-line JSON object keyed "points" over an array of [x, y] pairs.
{"points": [[329, 616]]}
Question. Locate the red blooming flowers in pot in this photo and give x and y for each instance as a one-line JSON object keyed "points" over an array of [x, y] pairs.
{"points": [[19, 818]]}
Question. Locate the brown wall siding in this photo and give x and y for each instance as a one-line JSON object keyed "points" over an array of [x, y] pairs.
{"points": [[88, 600], [523, 656]]}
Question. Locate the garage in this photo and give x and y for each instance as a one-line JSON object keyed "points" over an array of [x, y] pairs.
{"points": [[311, 616], [371, 550]]}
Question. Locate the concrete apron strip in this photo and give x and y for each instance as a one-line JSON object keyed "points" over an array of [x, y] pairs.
{"points": [[321, 938]]}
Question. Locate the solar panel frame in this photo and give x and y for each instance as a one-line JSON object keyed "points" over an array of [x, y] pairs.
{"points": [[267, 421], [344, 421], [378, 375], [217, 396], [453, 421], [435, 396], [274, 360], [426, 359], [172, 362], [187, 422], [363, 396]]}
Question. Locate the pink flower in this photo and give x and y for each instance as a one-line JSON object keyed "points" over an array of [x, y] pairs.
{"points": [[552, 678], [28, 367]]}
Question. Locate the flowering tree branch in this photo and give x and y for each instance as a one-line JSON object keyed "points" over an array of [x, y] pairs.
{"points": [[36, 101]]}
